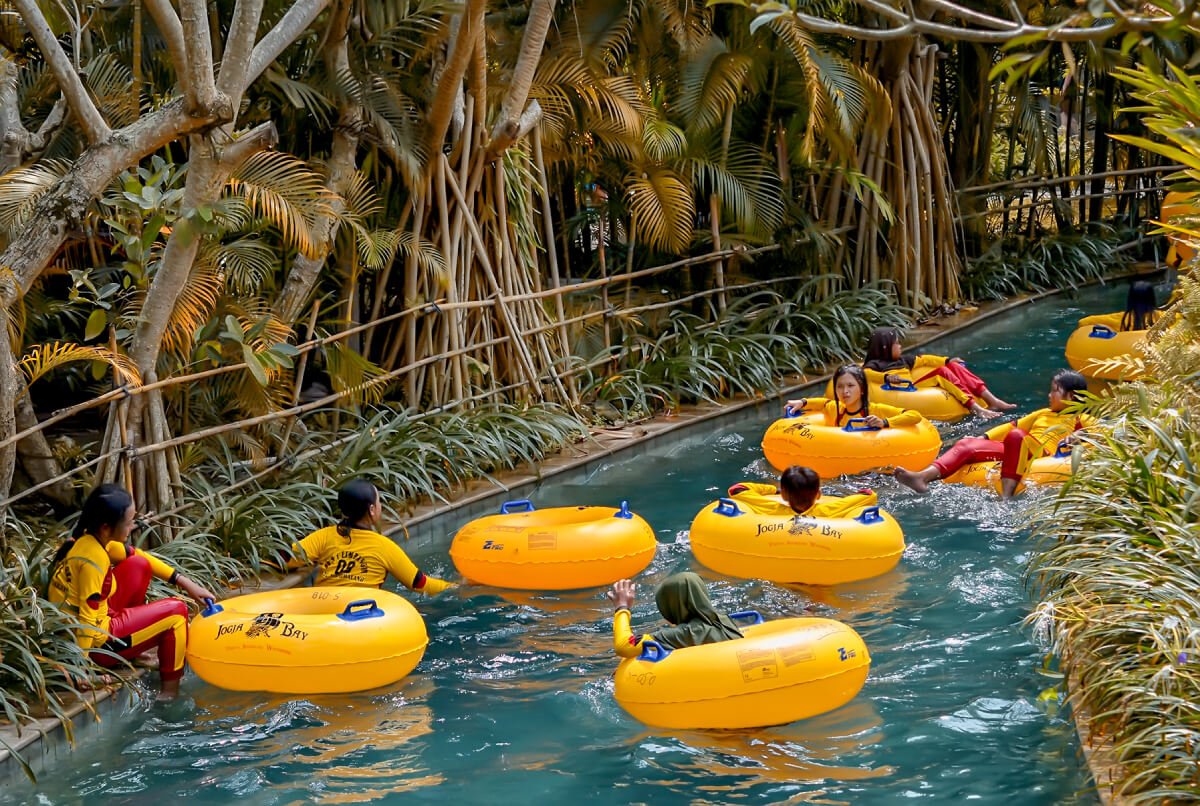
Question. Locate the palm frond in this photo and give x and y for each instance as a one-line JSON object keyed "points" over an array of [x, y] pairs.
{"points": [[711, 82], [283, 190], [20, 191], [43, 358], [663, 206]]}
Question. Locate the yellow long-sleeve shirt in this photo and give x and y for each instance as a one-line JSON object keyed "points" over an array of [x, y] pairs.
{"points": [[763, 499], [83, 581], [624, 642], [1046, 427], [364, 558], [894, 416]]}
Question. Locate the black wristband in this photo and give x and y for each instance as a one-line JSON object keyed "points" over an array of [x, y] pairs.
{"points": [[174, 578]]}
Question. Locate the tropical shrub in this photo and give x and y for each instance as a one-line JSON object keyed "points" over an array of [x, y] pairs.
{"points": [[1066, 260], [760, 338], [1118, 574], [229, 536], [38, 659]]}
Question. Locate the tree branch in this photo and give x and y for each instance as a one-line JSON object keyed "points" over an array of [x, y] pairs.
{"points": [[910, 24], [456, 65], [504, 133], [197, 43], [172, 31], [248, 143], [285, 32], [238, 46], [69, 83], [970, 15], [27, 253]]}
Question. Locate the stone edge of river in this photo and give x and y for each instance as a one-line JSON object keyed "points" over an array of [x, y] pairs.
{"points": [[49, 736]]}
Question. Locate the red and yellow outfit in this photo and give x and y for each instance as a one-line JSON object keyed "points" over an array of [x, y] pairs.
{"points": [[1015, 445], [835, 415], [624, 644], [763, 499], [365, 557], [106, 587], [929, 371]]}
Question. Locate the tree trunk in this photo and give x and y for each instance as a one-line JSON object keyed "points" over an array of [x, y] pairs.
{"points": [[342, 167], [37, 458], [504, 133], [1100, 144]]}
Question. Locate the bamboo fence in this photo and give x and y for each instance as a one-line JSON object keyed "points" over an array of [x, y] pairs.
{"points": [[1010, 195]]}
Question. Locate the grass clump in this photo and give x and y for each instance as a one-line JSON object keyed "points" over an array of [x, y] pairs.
{"points": [[1065, 260]]}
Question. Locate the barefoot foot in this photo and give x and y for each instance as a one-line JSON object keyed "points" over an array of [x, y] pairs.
{"points": [[911, 480], [986, 414], [996, 403]]}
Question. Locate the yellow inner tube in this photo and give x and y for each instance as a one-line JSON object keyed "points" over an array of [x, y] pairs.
{"points": [[812, 551], [781, 671], [853, 448], [1054, 469], [307, 640], [932, 402], [1101, 341], [1179, 204], [560, 548]]}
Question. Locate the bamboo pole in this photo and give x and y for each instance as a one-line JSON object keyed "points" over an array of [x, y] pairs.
{"points": [[501, 305], [552, 255]]}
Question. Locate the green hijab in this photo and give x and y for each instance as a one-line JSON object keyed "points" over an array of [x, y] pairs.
{"points": [[683, 600]]}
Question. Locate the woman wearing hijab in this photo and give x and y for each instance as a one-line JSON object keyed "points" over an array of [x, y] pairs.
{"points": [[683, 601]]}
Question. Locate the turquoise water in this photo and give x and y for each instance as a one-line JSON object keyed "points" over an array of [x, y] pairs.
{"points": [[513, 699]]}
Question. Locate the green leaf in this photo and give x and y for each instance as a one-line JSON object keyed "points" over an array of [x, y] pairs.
{"points": [[151, 231], [96, 323], [252, 364]]}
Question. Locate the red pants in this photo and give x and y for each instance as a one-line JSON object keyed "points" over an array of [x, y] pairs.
{"points": [[960, 376], [1010, 453], [137, 626]]}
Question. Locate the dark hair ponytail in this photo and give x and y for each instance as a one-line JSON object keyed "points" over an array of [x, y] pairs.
{"points": [[879, 348], [1140, 306], [355, 499], [1070, 382], [104, 506]]}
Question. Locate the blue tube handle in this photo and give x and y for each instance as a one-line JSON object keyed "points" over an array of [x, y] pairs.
{"points": [[351, 613], [869, 515], [624, 512], [211, 608], [753, 616], [1063, 449], [727, 507], [653, 651], [901, 385], [520, 505], [1102, 332], [789, 412], [858, 424]]}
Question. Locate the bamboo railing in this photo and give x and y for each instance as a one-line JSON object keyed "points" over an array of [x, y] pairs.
{"points": [[608, 284]]}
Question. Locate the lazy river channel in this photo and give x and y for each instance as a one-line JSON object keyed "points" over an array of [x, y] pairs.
{"points": [[513, 700]]}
